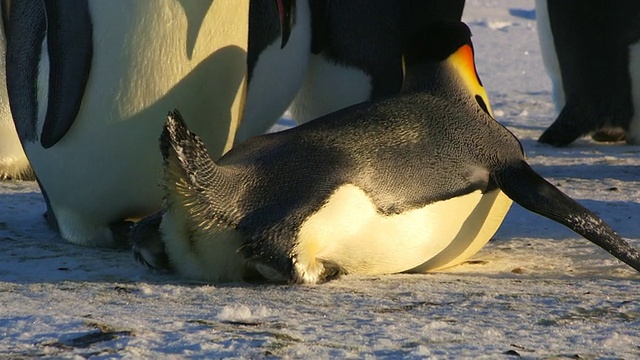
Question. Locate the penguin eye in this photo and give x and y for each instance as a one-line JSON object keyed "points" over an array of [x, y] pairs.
{"points": [[482, 104]]}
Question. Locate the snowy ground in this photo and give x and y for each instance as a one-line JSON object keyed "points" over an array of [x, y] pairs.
{"points": [[537, 291]]}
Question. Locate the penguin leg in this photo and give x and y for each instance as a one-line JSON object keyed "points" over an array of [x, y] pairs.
{"points": [[581, 117], [524, 186], [574, 121], [146, 241]]}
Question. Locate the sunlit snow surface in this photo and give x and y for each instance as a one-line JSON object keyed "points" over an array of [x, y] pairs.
{"points": [[537, 291]]}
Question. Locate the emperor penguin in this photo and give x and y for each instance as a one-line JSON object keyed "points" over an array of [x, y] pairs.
{"points": [[89, 82], [414, 182], [277, 62], [591, 50], [13, 161], [357, 49]]}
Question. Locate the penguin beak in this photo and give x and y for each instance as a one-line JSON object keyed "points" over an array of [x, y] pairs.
{"points": [[286, 10], [463, 62]]}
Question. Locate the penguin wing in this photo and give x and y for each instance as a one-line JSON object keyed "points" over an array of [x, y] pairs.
{"points": [[26, 26], [66, 26], [524, 186], [70, 45]]}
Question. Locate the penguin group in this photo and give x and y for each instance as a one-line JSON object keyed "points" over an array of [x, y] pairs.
{"points": [[398, 164]]}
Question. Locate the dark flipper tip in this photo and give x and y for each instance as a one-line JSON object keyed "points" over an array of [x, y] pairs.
{"points": [[524, 186]]}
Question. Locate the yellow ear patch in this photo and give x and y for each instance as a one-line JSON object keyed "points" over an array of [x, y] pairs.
{"points": [[463, 61]]}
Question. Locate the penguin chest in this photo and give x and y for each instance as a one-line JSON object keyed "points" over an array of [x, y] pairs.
{"points": [[349, 232]]}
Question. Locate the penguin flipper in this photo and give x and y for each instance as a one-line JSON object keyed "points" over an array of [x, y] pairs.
{"points": [[192, 180], [524, 186], [26, 30], [70, 46]]}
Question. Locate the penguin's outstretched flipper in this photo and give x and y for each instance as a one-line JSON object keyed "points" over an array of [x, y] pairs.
{"points": [[524, 186]]}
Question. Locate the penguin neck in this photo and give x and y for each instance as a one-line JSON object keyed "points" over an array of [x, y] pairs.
{"points": [[438, 79]]}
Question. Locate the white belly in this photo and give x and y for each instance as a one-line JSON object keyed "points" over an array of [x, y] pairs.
{"points": [[549, 56], [351, 233], [149, 57]]}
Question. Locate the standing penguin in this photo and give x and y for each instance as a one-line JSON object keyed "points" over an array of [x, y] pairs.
{"points": [[277, 62], [88, 82], [591, 50], [13, 161], [414, 182], [357, 49]]}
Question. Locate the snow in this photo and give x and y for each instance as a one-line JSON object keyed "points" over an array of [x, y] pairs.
{"points": [[536, 291]]}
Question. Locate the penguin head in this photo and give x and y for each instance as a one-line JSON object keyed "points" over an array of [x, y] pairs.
{"points": [[441, 59]]}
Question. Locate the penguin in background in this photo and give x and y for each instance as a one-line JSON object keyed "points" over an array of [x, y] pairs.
{"points": [[591, 50], [88, 83], [277, 60], [411, 183], [357, 49], [13, 161]]}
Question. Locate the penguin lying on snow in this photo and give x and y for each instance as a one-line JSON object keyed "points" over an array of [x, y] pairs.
{"points": [[591, 50], [414, 183]]}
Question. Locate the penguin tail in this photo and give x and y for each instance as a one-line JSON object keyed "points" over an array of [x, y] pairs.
{"points": [[525, 187], [192, 180]]}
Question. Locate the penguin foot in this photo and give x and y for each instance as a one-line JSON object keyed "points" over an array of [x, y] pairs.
{"points": [[319, 272], [606, 118], [569, 126], [146, 241], [609, 134]]}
